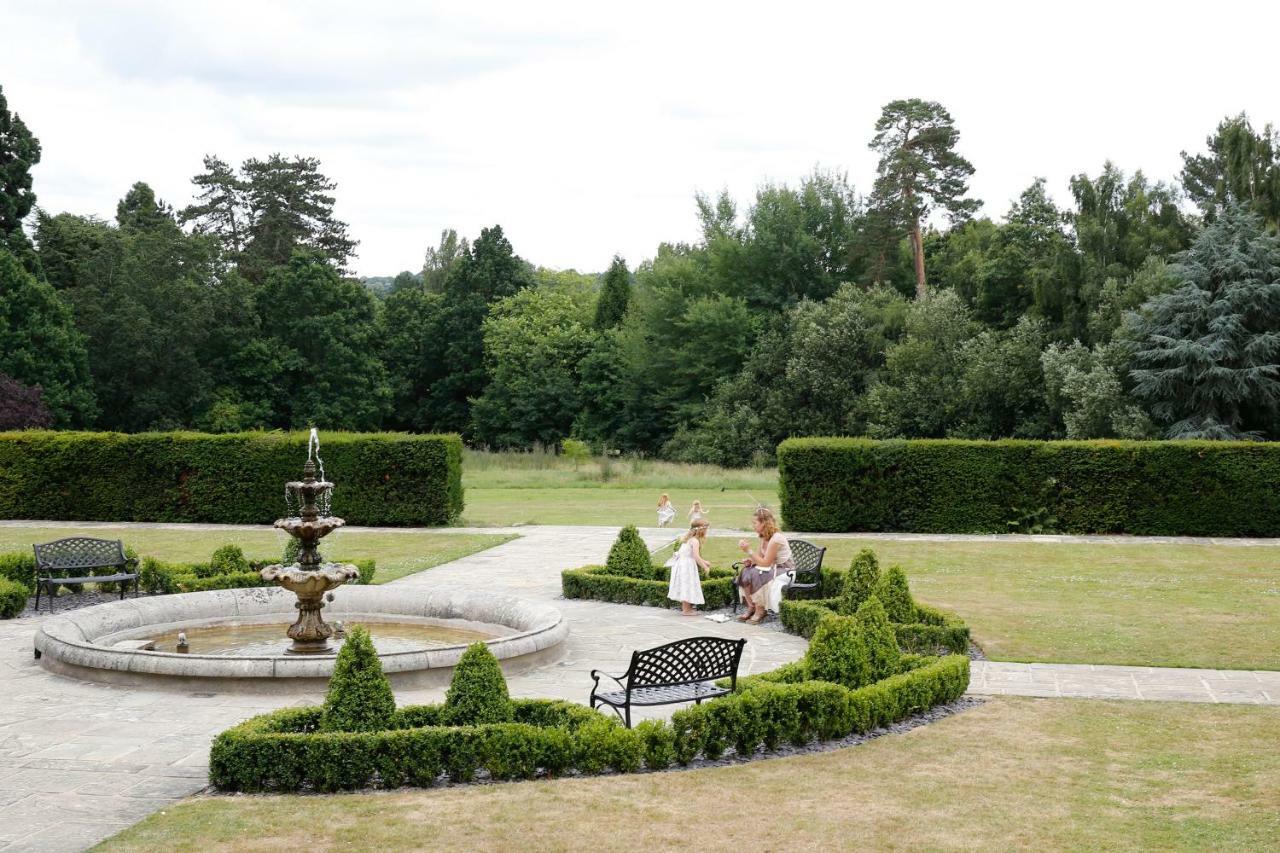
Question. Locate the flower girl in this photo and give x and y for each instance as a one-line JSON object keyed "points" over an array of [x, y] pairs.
{"points": [[687, 567], [666, 511]]}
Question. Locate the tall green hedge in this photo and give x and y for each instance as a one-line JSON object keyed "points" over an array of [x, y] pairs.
{"points": [[385, 479], [1157, 488]]}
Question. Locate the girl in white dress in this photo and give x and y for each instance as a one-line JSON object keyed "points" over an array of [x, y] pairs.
{"points": [[666, 512], [687, 567], [697, 513]]}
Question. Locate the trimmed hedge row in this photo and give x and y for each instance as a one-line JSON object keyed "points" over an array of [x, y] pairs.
{"points": [[1167, 488], [158, 577], [285, 751], [932, 629], [384, 479], [597, 582], [13, 598]]}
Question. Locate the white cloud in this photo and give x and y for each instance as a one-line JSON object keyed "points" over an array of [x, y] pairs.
{"points": [[585, 130]]}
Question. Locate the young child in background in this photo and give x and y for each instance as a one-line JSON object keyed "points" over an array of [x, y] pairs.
{"points": [[697, 513], [687, 567], [666, 512]]}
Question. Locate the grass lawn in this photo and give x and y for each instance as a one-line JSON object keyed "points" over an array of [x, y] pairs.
{"points": [[542, 488], [1152, 605], [398, 552], [1011, 773]]}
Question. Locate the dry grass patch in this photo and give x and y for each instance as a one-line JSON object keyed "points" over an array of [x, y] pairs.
{"points": [[1011, 773]]}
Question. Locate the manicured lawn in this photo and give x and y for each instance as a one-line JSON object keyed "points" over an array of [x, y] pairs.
{"points": [[541, 488], [398, 552], [1024, 773], [1143, 604]]}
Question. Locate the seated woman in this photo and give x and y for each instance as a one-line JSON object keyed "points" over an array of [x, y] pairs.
{"points": [[763, 566]]}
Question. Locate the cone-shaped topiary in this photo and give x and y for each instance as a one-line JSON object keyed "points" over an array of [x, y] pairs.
{"points": [[359, 698], [860, 581], [229, 559], [838, 652], [895, 595], [478, 692], [882, 644], [629, 556]]}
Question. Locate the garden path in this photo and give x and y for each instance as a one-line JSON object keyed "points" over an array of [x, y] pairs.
{"points": [[79, 761]]}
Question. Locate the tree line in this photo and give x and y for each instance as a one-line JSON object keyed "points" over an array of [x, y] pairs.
{"points": [[1138, 309]]}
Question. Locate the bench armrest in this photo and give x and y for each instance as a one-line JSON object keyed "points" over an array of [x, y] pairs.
{"points": [[595, 676]]}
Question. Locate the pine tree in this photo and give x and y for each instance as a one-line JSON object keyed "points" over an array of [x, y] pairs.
{"points": [[615, 295], [19, 151], [919, 169], [1208, 354]]}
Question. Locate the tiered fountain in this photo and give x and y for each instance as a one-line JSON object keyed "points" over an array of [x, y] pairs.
{"points": [[310, 577], [419, 631]]}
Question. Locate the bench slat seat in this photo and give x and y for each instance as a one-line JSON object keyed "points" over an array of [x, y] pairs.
{"points": [[682, 671]]}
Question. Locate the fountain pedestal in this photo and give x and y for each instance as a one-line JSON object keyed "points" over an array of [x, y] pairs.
{"points": [[310, 578]]}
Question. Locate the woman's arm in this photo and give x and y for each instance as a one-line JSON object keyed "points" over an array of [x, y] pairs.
{"points": [[696, 551], [767, 555]]}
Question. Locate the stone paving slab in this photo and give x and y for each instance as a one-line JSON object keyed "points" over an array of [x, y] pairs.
{"points": [[1092, 681]]}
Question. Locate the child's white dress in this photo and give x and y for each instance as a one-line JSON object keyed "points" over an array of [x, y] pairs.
{"points": [[666, 514], [686, 581]]}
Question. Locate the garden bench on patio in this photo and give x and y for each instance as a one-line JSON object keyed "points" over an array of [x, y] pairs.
{"points": [[71, 561], [683, 671], [807, 573]]}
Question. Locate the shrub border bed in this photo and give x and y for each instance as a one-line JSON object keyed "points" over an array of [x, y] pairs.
{"points": [[1147, 488], [282, 751], [598, 583]]}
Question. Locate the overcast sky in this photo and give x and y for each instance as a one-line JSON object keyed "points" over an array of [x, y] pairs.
{"points": [[585, 131]]}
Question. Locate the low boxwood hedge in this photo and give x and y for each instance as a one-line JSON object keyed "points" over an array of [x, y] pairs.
{"points": [[13, 598], [932, 630], [597, 582], [384, 479], [1165, 488], [285, 751]]}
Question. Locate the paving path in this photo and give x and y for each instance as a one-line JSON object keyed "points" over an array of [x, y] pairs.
{"points": [[80, 761]]}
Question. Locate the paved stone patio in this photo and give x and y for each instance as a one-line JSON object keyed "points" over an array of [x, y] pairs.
{"points": [[79, 761]]}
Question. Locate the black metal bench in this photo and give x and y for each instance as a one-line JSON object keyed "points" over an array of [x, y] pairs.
{"points": [[683, 671], [71, 561], [807, 573]]}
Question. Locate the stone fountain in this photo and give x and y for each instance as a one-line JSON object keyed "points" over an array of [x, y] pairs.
{"points": [[310, 577]]}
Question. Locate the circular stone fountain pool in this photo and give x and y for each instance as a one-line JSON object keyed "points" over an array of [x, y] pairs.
{"points": [[237, 641]]}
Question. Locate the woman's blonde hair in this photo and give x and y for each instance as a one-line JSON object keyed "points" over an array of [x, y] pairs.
{"points": [[768, 522], [698, 529], [664, 499]]}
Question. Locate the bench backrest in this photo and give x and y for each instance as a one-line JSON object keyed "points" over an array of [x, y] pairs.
{"points": [[79, 552], [807, 557], [685, 662]]}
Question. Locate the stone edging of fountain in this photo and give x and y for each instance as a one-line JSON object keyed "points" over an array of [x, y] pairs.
{"points": [[82, 642]]}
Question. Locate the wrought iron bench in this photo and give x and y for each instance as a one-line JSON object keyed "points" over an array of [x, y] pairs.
{"points": [[808, 571], [683, 671], [72, 561]]}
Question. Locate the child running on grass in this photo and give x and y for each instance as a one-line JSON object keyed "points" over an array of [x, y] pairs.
{"points": [[697, 513], [687, 567], [666, 512]]}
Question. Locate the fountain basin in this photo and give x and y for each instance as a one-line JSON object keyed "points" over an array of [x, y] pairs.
{"points": [[107, 642]]}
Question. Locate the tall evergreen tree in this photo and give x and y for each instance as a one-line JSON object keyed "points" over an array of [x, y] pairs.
{"points": [[1207, 358], [19, 152], [139, 210], [1242, 167], [919, 170], [39, 345], [615, 295], [220, 207]]}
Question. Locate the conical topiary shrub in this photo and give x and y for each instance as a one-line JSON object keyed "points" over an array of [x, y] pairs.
{"points": [[360, 697], [838, 653], [882, 643], [860, 581], [895, 595], [478, 692], [629, 556]]}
